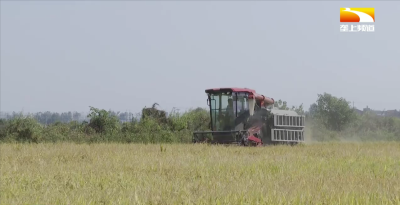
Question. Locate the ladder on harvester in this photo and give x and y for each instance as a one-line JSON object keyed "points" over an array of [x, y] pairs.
{"points": [[288, 128]]}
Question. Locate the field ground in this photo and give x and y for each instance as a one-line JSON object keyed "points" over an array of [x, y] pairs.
{"points": [[339, 173]]}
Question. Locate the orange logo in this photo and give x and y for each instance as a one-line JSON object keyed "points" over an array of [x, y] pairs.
{"points": [[362, 15]]}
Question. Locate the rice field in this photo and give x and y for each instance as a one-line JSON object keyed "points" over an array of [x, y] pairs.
{"points": [[329, 173]]}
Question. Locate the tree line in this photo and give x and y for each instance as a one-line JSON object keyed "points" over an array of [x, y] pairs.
{"points": [[48, 117], [330, 118]]}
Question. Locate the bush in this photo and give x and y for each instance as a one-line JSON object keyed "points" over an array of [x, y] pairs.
{"points": [[102, 121], [106, 127], [23, 129]]}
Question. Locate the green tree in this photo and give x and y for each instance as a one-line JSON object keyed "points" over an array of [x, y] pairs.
{"points": [[312, 111], [282, 105], [102, 121], [299, 110], [335, 113], [25, 129]]}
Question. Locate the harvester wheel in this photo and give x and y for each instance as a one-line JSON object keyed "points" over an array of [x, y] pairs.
{"points": [[243, 142], [265, 136]]}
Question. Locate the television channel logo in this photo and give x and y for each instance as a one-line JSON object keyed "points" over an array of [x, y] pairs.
{"points": [[357, 15]]}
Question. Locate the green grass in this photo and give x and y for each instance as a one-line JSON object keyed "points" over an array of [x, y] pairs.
{"points": [[330, 173]]}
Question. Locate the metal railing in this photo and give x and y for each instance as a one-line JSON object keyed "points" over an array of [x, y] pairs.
{"points": [[289, 121], [287, 135]]}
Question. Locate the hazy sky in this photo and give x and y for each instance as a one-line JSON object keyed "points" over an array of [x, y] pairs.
{"points": [[69, 55]]}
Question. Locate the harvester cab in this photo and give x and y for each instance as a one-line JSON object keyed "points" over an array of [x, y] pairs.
{"points": [[241, 116]]}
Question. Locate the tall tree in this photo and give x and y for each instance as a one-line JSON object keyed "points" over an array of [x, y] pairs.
{"points": [[335, 113]]}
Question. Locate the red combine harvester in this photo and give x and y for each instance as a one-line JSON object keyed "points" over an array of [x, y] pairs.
{"points": [[241, 116]]}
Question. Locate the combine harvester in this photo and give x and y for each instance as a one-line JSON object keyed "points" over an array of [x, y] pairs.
{"points": [[243, 117]]}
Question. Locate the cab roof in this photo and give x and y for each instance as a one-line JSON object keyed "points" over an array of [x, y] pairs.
{"points": [[213, 90]]}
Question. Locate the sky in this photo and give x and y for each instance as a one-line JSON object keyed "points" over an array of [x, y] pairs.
{"points": [[64, 56]]}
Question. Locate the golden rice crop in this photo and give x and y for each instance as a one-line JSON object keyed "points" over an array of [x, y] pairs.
{"points": [[329, 173]]}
